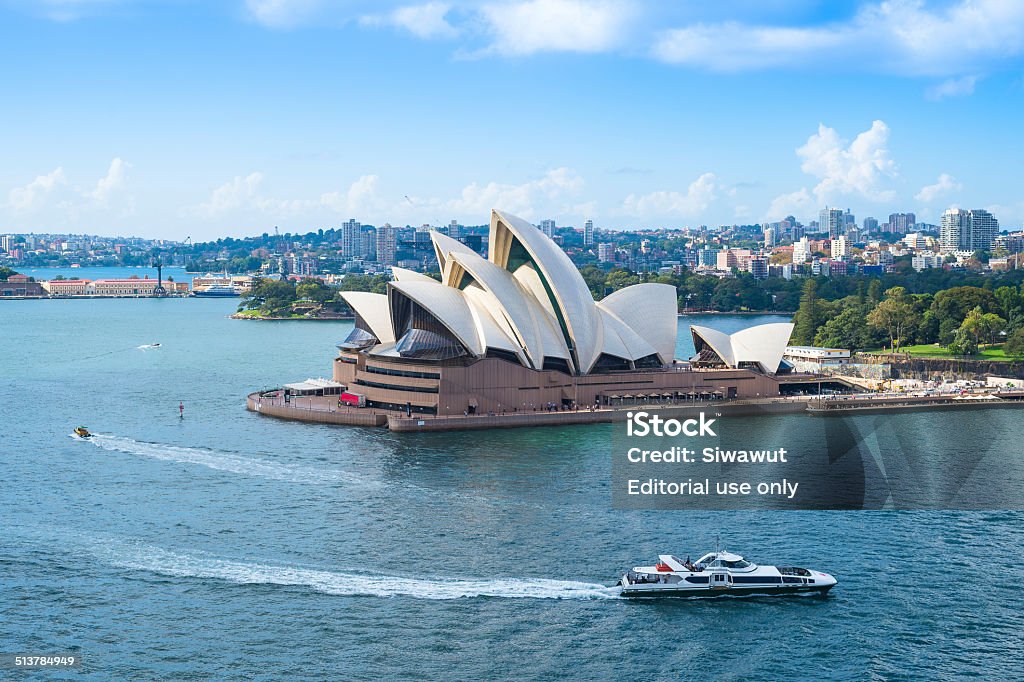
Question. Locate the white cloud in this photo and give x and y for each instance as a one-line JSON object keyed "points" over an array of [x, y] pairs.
{"points": [[946, 183], [860, 168], [235, 194], [896, 36], [698, 197], [33, 195], [282, 13], [525, 28], [113, 181], [361, 197], [953, 87], [798, 204], [552, 193], [547, 193], [423, 21]]}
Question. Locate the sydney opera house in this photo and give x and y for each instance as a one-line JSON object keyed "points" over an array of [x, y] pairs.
{"points": [[520, 331]]}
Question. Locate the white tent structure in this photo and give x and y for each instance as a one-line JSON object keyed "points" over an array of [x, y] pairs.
{"points": [[759, 347], [526, 303]]}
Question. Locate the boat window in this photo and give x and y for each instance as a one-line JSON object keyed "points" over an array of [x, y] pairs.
{"points": [[715, 564], [742, 563]]}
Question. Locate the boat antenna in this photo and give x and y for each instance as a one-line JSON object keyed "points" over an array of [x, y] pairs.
{"points": [[717, 551]]}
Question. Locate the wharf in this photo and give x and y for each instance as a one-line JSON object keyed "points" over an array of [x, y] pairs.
{"points": [[324, 410], [889, 402]]}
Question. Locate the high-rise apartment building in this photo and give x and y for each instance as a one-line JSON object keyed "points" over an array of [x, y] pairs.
{"points": [[387, 244], [801, 251], [901, 223], [548, 227], [870, 225], [352, 239], [967, 230], [840, 248], [606, 252], [588, 232], [771, 235], [758, 267], [832, 220]]}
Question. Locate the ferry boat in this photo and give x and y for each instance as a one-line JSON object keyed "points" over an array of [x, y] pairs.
{"points": [[719, 574], [216, 290]]}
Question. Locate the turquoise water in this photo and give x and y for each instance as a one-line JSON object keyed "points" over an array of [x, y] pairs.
{"points": [[178, 274], [229, 546]]}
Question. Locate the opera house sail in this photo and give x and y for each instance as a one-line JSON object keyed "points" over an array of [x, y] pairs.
{"points": [[520, 331]]}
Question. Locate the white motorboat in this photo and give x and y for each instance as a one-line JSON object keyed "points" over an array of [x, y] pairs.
{"points": [[718, 574]]}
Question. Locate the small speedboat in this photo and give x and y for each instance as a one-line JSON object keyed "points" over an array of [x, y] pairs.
{"points": [[83, 432], [719, 574]]}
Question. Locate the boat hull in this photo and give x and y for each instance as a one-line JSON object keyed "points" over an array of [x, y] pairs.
{"points": [[215, 294], [657, 592]]}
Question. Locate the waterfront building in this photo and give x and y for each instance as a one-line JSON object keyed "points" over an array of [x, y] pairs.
{"points": [[520, 331], [758, 267], [20, 285], [814, 359], [727, 259], [67, 287], [588, 232]]}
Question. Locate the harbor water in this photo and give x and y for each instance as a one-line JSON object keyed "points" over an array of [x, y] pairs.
{"points": [[225, 545]]}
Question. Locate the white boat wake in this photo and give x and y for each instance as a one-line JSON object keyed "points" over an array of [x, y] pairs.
{"points": [[148, 346], [361, 583], [231, 462]]}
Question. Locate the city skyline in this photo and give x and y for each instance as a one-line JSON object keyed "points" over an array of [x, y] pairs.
{"points": [[168, 120]]}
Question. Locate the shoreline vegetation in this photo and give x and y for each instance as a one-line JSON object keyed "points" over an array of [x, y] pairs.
{"points": [[934, 314]]}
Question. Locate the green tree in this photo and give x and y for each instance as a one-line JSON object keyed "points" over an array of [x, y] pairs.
{"points": [[620, 279], [270, 297], [1014, 345], [845, 330], [895, 315], [980, 327], [314, 290], [808, 316]]}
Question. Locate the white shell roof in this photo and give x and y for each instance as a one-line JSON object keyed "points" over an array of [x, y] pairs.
{"points": [[567, 285], [763, 344], [443, 245], [374, 310], [524, 311], [620, 340], [651, 310], [448, 305], [403, 275], [533, 326]]}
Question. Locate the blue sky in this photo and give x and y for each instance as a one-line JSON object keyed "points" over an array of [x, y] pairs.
{"points": [[206, 119]]}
